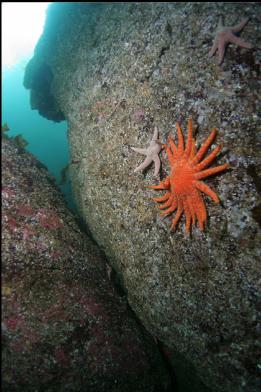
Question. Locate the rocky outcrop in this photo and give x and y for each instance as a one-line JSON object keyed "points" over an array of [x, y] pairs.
{"points": [[65, 328], [117, 71]]}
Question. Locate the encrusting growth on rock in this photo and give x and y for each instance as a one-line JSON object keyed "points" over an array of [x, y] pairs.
{"points": [[183, 185], [226, 35]]}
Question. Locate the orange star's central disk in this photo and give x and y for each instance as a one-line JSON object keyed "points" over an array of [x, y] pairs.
{"points": [[182, 178]]}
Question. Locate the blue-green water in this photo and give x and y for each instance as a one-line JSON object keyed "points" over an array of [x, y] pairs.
{"points": [[47, 139]]}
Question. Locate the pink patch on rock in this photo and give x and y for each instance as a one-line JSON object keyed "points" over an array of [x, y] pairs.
{"points": [[7, 192], [90, 306], [41, 245], [15, 322], [55, 255], [11, 223], [55, 313], [138, 115], [61, 356], [25, 210], [27, 232], [17, 345], [49, 219]]}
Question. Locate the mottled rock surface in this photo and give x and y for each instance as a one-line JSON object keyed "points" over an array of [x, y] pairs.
{"points": [[116, 71], [64, 326]]}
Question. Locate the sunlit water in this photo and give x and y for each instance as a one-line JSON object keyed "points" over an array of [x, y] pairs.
{"points": [[47, 139]]}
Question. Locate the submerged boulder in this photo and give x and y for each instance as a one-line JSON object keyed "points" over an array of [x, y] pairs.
{"points": [[119, 70], [64, 326]]}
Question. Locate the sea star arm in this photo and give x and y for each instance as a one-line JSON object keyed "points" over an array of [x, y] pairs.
{"points": [[221, 51], [170, 209], [191, 208], [167, 204], [214, 48], [207, 190], [143, 165], [187, 215], [180, 140], [165, 184], [172, 145], [205, 146], [162, 198], [157, 164], [190, 138], [143, 151], [240, 42], [155, 134], [199, 208], [211, 171], [177, 216], [193, 150], [238, 27], [169, 153], [208, 159]]}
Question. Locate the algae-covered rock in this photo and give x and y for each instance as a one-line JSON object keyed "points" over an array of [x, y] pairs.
{"points": [[64, 326], [117, 71]]}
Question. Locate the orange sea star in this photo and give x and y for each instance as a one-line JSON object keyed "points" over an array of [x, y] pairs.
{"points": [[183, 185]]}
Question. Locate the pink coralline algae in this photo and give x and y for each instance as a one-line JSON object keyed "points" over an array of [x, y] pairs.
{"points": [[27, 232], [7, 192], [13, 323], [49, 219], [90, 306], [25, 210], [138, 115], [61, 356], [10, 223]]}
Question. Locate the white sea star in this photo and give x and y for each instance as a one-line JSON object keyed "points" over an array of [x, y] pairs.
{"points": [[152, 153], [226, 35]]}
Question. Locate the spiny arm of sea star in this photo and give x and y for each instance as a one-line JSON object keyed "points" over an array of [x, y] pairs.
{"points": [[165, 184], [204, 146], [180, 140], [207, 190], [187, 214], [200, 166], [172, 208], [211, 171], [177, 216], [190, 137], [162, 198], [168, 203]]}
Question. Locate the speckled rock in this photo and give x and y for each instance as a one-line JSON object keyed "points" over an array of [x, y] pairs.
{"points": [[64, 326], [117, 71]]}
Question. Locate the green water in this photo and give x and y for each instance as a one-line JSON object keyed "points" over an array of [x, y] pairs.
{"points": [[47, 139]]}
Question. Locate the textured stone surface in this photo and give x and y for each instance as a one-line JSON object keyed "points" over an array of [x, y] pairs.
{"points": [[117, 71], [64, 326]]}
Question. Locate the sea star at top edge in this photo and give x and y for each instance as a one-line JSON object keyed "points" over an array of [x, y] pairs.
{"points": [[226, 35], [183, 185], [151, 152]]}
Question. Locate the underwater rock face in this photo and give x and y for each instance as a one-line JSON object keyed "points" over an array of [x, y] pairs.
{"points": [[64, 326], [119, 70]]}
